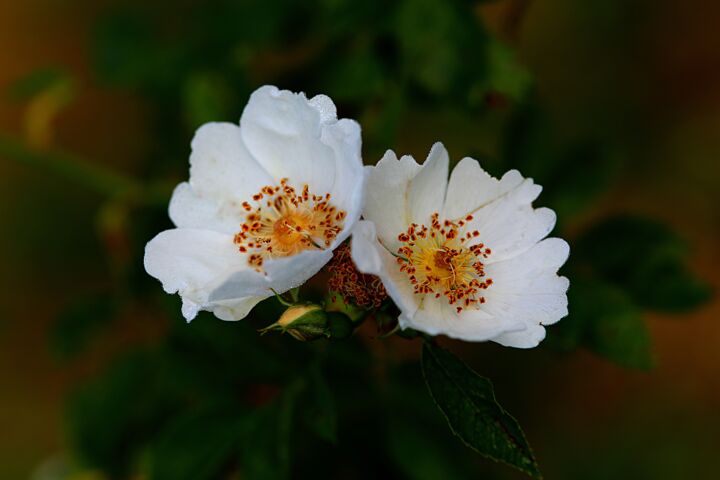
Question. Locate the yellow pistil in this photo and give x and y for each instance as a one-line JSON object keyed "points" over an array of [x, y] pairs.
{"points": [[439, 261], [283, 222]]}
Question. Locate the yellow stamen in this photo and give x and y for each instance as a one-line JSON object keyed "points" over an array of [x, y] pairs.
{"points": [[439, 261], [284, 222]]}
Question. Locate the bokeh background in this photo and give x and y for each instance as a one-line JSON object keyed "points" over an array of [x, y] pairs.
{"points": [[614, 106]]}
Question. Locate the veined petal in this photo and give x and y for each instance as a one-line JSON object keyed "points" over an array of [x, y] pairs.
{"points": [[426, 191], [528, 288], [386, 198], [510, 225], [282, 130], [468, 176]]}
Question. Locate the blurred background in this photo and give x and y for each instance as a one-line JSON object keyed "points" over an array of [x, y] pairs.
{"points": [[612, 106]]}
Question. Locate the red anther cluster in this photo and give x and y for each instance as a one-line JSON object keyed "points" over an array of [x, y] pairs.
{"points": [[364, 290]]}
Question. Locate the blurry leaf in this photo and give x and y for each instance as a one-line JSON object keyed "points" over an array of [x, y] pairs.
{"points": [[265, 453], [198, 444], [603, 319], [573, 172], [419, 455], [357, 76], [112, 417], [319, 409], [77, 324], [128, 53], [40, 81], [645, 258], [504, 74], [206, 98], [468, 402], [428, 33]]}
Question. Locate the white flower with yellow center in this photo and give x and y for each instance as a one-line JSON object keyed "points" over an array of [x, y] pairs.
{"points": [[266, 204], [464, 257]]}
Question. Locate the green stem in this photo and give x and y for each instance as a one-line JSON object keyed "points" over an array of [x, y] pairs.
{"points": [[89, 175]]}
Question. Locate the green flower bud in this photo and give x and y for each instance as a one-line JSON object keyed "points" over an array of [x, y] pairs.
{"points": [[303, 321]]}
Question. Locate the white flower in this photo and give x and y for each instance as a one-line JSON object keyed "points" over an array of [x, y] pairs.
{"points": [[464, 258], [266, 204]]}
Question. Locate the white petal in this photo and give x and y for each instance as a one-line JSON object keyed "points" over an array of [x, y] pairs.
{"points": [[192, 262], [372, 258], [426, 192], [282, 130], [235, 309], [528, 288], [509, 225], [221, 168], [190, 209], [471, 187], [386, 196], [280, 275], [436, 316], [348, 191]]}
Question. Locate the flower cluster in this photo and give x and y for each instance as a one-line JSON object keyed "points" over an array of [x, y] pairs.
{"points": [[271, 200]]}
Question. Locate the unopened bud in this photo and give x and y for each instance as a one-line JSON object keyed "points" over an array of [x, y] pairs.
{"points": [[303, 321]]}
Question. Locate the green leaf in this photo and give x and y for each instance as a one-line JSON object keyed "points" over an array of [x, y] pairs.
{"points": [[468, 402], [504, 75], [265, 454], [319, 409], [406, 440], [645, 258], [206, 98], [198, 444], [606, 321], [429, 33], [40, 81], [112, 417], [77, 324]]}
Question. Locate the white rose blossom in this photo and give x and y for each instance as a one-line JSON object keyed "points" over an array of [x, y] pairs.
{"points": [[464, 257], [266, 204]]}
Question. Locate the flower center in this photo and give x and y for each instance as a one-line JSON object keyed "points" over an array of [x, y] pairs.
{"points": [[283, 222], [439, 260]]}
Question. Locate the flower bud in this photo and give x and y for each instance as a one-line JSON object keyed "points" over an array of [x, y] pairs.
{"points": [[304, 322]]}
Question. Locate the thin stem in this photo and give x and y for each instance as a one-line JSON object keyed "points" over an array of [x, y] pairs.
{"points": [[89, 175]]}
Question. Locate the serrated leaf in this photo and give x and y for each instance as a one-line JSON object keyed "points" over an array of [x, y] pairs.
{"points": [[468, 402]]}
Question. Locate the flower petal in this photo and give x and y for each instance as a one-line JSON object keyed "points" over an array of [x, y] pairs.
{"points": [[509, 225], [471, 187], [191, 262], [348, 191], [221, 167], [279, 275], [528, 288], [426, 192], [386, 197], [372, 258], [282, 130], [436, 317], [190, 209]]}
